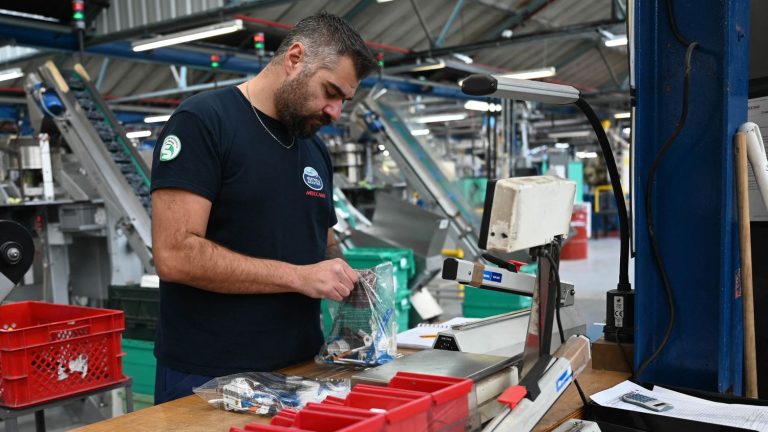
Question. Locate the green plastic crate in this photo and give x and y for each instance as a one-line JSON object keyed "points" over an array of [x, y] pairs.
{"points": [[402, 262], [141, 307], [481, 303], [402, 310], [140, 364], [473, 190], [140, 401], [327, 320]]}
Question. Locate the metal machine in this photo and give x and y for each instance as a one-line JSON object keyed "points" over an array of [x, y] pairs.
{"points": [[500, 350], [535, 213], [68, 103], [16, 253]]}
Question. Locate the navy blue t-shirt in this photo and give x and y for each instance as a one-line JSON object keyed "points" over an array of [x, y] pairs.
{"points": [[267, 202]]}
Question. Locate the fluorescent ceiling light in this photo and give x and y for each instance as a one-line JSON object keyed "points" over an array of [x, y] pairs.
{"points": [[420, 132], [139, 134], [383, 1], [562, 145], [477, 105], [28, 15], [379, 93], [463, 57], [157, 119], [441, 118], [626, 131], [188, 35], [532, 74], [420, 65], [381, 147], [10, 53], [622, 115], [385, 153], [10, 74], [570, 134], [617, 41], [428, 66], [586, 155]]}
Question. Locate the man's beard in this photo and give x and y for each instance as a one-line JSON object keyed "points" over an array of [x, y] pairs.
{"points": [[290, 98]]}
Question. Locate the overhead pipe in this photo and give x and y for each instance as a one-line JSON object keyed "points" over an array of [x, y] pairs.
{"points": [[178, 90], [528, 37]]}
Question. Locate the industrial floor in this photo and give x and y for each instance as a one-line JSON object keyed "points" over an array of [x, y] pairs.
{"points": [[592, 277]]}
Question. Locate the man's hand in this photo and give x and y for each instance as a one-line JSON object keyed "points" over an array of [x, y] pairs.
{"points": [[333, 279]]}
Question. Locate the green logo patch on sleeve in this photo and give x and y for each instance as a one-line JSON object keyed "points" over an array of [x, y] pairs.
{"points": [[170, 149]]}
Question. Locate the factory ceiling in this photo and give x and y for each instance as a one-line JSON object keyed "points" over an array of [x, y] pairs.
{"points": [[464, 36]]}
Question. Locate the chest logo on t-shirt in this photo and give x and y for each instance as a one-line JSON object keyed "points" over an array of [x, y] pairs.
{"points": [[312, 178]]}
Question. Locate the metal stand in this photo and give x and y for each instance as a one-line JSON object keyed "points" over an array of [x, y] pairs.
{"points": [[10, 416]]}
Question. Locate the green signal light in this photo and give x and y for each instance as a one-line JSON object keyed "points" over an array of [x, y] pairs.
{"points": [[78, 15], [259, 45], [381, 63], [214, 64]]}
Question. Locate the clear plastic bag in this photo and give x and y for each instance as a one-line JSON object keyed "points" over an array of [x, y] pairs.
{"points": [[266, 393], [364, 324]]}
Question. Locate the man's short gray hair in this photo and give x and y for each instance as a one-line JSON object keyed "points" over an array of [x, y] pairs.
{"points": [[327, 37]]}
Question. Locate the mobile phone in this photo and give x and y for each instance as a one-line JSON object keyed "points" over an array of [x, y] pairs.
{"points": [[646, 402]]}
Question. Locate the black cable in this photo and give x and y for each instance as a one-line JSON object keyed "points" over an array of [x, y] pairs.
{"points": [[649, 189], [556, 271], [673, 25], [81, 46], [621, 205]]}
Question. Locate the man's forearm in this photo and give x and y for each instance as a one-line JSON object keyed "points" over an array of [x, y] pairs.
{"points": [[206, 265]]}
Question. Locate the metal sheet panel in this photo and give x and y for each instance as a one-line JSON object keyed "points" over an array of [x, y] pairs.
{"points": [[125, 14]]}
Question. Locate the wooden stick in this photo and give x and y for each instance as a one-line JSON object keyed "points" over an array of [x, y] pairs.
{"points": [[750, 357]]}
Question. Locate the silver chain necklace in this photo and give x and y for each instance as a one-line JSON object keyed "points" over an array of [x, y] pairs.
{"points": [[250, 101]]}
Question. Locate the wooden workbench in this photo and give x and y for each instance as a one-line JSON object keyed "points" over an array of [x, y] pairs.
{"points": [[193, 414]]}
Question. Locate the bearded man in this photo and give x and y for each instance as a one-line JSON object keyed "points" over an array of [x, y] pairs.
{"points": [[242, 213]]}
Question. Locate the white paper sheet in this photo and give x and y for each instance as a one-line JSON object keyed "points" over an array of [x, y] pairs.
{"points": [[423, 335], [688, 407], [757, 112]]}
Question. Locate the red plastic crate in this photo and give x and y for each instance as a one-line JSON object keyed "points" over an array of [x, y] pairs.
{"points": [[333, 400], [450, 403], [50, 351], [314, 420], [406, 411]]}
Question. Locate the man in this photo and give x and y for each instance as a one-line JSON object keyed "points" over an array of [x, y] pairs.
{"points": [[242, 212]]}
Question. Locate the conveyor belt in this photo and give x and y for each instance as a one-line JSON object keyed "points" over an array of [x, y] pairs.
{"points": [[116, 144], [423, 174], [99, 142]]}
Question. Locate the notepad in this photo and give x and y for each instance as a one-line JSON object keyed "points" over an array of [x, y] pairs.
{"points": [[423, 335]]}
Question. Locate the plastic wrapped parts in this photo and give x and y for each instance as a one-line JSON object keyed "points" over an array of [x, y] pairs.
{"points": [[364, 324], [267, 393]]}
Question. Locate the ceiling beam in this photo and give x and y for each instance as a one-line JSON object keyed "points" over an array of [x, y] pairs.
{"points": [[518, 18], [423, 24], [608, 65], [575, 54], [447, 26], [357, 9]]}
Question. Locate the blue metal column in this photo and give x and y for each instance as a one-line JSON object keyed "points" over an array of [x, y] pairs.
{"points": [[694, 192]]}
